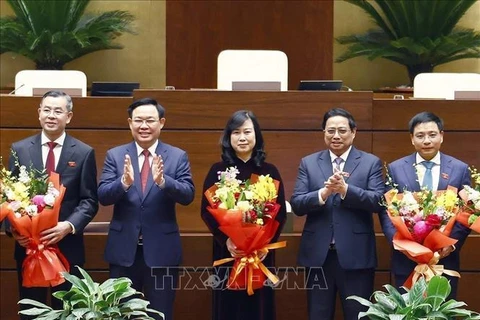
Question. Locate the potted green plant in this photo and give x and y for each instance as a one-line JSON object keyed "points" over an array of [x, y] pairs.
{"points": [[419, 34], [423, 301], [52, 33], [113, 299]]}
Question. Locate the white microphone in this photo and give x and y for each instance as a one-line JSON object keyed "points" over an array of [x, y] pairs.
{"points": [[14, 90]]}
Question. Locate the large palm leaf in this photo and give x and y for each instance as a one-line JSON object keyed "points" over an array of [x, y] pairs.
{"points": [[52, 33], [419, 34]]}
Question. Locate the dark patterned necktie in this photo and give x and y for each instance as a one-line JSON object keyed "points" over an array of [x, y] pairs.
{"points": [[50, 163]]}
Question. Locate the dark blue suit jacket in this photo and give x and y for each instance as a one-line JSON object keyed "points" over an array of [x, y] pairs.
{"points": [[78, 173], [349, 220], [152, 213], [402, 171]]}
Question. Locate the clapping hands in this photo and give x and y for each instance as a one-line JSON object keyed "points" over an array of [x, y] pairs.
{"points": [[336, 183], [128, 176]]}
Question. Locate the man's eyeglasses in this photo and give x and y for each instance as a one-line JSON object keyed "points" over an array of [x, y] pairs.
{"points": [[148, 122], [55, 112], [330, 132], [431, 136]]}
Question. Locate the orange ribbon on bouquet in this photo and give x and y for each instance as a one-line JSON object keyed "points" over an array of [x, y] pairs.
{"points": [[251, 262], [428, 271]]}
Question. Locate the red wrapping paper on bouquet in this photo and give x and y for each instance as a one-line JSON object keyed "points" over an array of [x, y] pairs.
{"points": [[424, 254], [43, 265], [248, 273], [464, 215]]}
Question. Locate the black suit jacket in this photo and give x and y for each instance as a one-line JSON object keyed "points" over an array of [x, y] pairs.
{"points": [[78, 173]]}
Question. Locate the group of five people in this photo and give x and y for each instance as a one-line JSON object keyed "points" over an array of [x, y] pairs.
{"points": [[338, 189]]}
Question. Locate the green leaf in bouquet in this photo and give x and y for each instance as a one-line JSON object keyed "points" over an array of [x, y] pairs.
{"points": [[230, 202], [472, 219]]}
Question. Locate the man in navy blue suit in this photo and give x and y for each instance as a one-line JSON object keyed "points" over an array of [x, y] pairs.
{"points": [[338, 189], [74, 161], [431, 169], [144, 180]]}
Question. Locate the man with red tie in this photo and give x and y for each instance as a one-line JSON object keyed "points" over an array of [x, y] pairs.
{"points": [[55, 150], [144, 180]]}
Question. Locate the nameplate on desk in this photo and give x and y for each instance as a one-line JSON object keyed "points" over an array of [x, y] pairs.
{"points": [[256, 86], [73, 92], [467, 95]]}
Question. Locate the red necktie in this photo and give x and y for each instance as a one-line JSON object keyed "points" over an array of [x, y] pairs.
{"points": [[145, 169], [50, 163]]}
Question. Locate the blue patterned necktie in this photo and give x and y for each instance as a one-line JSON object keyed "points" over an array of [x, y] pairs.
{"points": [[427, 178], [338, 162]]}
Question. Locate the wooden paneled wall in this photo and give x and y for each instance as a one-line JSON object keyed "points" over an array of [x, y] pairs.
{"points": [[197, 31], [291, 126]]}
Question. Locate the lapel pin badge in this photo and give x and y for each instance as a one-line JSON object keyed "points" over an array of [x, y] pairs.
{"points": [[444, 175], [72, 164]]}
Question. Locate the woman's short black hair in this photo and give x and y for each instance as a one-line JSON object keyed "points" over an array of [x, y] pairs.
{"points": [[235, 122]]}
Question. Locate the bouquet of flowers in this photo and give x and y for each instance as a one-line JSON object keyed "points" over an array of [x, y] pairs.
{"points": [[423, 221], [31, 202], [471, 203], [245, 212]]}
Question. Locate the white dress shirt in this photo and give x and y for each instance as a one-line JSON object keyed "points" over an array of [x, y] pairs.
{"points": [[420, 169]]}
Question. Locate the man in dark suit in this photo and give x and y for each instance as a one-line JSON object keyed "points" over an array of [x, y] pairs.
{"points": [[74, 161], [144, 180], [412, 173], [338, 189]]}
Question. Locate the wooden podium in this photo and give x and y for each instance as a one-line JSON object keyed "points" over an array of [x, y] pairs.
{"points": [[291, 124]]}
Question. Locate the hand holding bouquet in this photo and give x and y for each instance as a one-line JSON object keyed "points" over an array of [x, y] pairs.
{"points": [[423, 221], [31, 202], [245, 212], [470, 211]]}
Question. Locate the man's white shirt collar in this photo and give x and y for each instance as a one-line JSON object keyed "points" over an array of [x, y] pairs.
{"points": [[344, 156], [419, 159], [152, 149], [60, 140]]}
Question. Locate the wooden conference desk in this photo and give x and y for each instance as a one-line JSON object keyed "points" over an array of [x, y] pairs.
{"points": [[290, 122]]}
